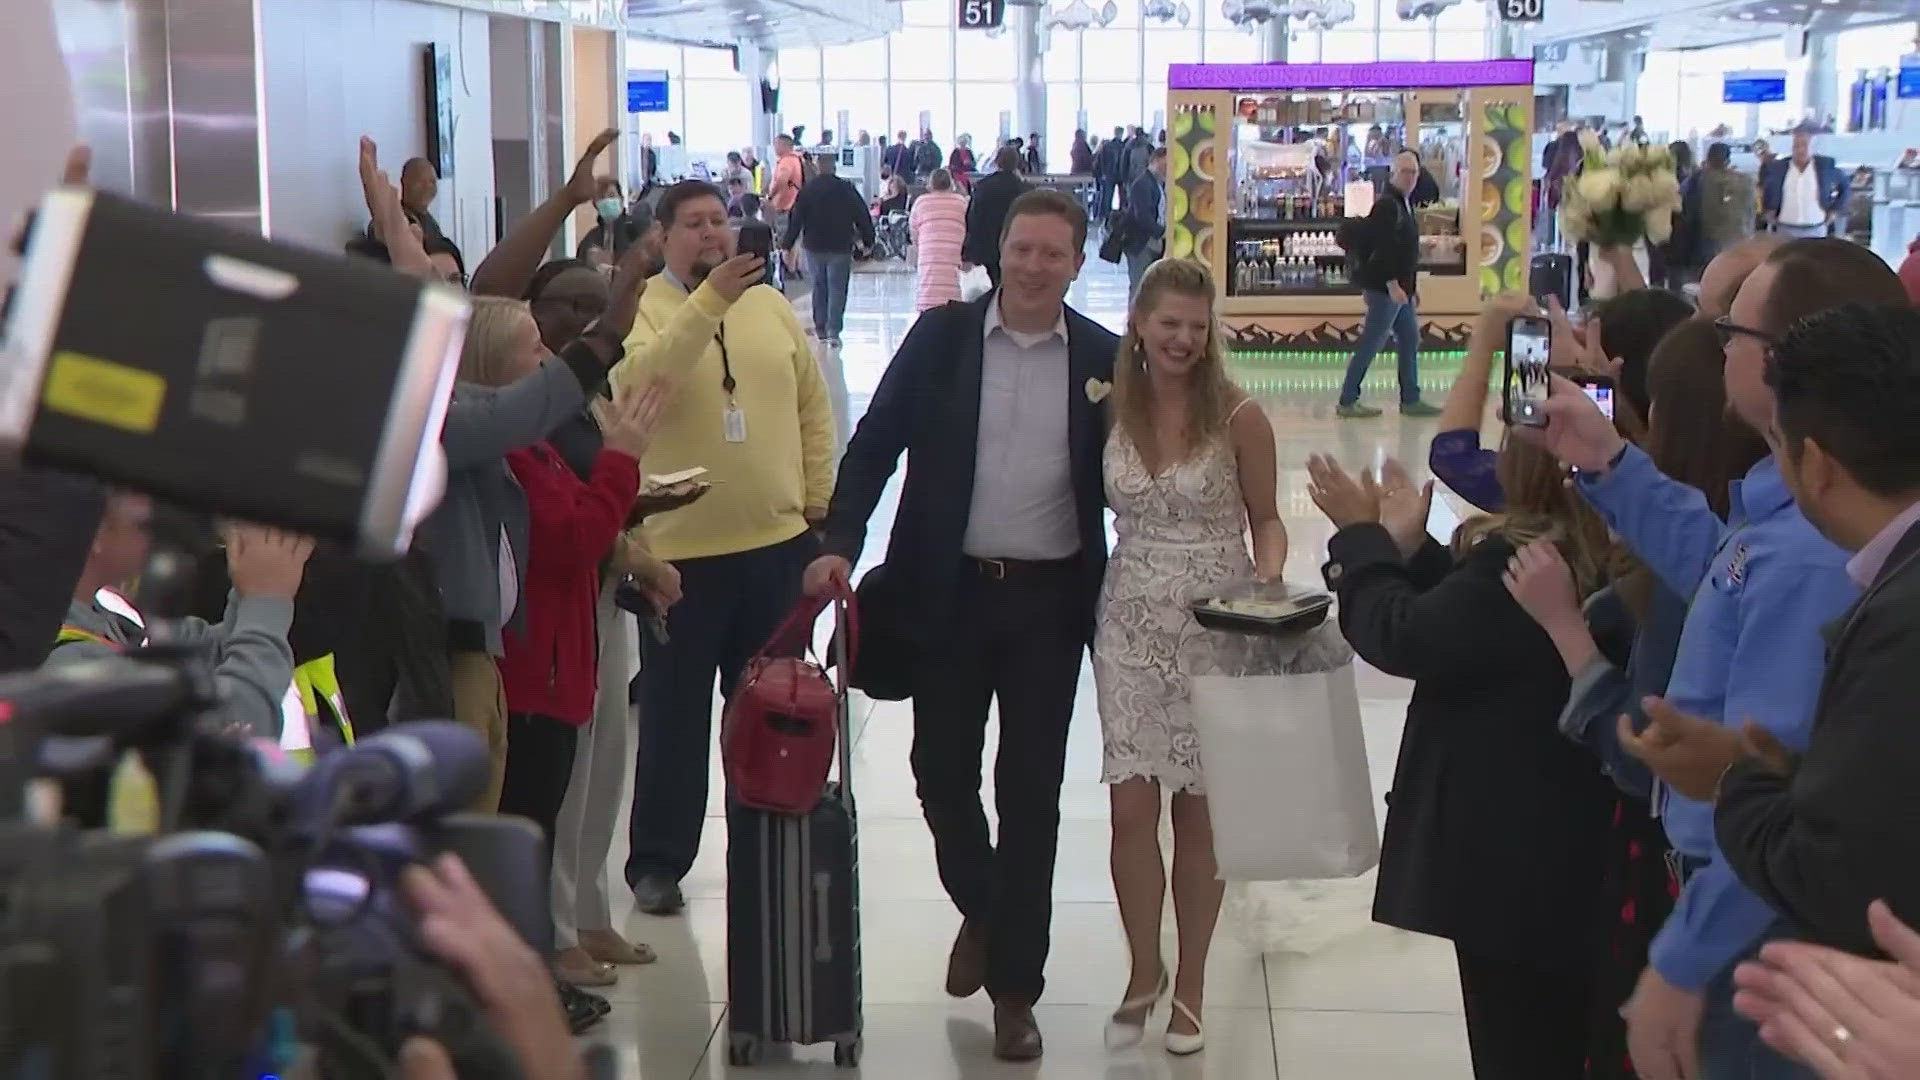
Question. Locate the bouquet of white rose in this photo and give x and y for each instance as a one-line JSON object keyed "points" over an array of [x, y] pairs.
{"points": [[1622, 196]]}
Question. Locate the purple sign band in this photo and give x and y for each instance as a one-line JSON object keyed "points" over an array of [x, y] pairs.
{"points": [[1388, 76]]}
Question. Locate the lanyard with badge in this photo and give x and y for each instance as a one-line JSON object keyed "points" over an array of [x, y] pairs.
{"points": [[733, 422]]}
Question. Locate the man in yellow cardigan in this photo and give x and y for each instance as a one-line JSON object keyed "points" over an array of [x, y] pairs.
{"points": [[750, 406]]}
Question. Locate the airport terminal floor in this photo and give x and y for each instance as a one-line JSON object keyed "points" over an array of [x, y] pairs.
{"points": [[1301, 986]]}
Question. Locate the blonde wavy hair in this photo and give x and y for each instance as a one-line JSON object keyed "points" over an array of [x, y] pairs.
{"points": [[1213, 394], [493, 337], [1539, 506]]}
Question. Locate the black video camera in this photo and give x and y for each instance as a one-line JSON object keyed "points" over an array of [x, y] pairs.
{"points": [[244, 916]]}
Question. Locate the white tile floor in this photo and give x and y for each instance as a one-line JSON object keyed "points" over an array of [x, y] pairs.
{"points": [[1333, 997]]}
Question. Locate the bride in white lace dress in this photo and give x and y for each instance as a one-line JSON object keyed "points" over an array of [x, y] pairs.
{"points": [[1190, 473]]}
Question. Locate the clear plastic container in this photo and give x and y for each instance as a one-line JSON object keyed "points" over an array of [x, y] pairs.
{"points": [[1261, 607]]}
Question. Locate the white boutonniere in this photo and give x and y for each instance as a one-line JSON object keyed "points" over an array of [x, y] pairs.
{"points": [[1097, 390]]}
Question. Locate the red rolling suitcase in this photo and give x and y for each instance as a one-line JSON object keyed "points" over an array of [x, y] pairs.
{"points": [[793, 911]]}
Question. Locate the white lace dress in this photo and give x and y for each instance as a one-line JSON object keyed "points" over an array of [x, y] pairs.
{"points": [[1179, 533]]}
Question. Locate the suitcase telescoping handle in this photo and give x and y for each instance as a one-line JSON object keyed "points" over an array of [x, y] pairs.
{"points": [[845, 629]]}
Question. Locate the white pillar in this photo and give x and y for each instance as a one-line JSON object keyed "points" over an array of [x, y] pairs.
{"points": [[1273, 41], [1821, 90], [754, 64], [1030, 87]]}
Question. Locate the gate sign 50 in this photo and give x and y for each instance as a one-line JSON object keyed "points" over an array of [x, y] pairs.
{"points": [[1522, 10], [982, 14]]}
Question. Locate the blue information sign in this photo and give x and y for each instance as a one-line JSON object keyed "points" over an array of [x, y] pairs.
{"points": [[1908, 83], [1753, 87], [646, 91]]}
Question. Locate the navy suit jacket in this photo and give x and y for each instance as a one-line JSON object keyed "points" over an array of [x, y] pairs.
{"points": [[1833, 184], [928, 405]]}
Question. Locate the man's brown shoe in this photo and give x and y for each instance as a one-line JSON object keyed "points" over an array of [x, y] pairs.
{"points": [[967, 964], [1016, 1035]]}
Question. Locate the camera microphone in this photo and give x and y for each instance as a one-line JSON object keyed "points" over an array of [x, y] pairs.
{"points": [[411, 771]]}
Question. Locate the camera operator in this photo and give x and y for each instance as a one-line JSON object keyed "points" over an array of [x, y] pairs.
{"points": [[255, 664], [461, 926]]}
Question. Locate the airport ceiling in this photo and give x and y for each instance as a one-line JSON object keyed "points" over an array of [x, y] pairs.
{"points": [[1698, 25], [769, 23]]}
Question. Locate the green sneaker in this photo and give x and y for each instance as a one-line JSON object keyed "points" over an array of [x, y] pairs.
{"points": [[1356, 411], [1419, 408]]}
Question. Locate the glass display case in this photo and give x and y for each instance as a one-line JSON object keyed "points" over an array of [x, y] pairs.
{"points": [[1268, 164], [1304, 165]]}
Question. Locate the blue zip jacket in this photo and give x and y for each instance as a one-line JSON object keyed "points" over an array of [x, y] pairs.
{"points": [[1763, 584]]}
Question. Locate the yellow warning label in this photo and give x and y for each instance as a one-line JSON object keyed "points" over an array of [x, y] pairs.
{"points": [[104, 392]]}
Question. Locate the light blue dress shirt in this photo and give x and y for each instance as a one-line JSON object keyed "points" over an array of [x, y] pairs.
{"points": [[1763, 584]]}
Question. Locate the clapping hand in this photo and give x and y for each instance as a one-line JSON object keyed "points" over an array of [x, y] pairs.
{"points": [[1845, 1016], [1344, 500], [1687, 752], [627, 422], [1404, 505]]}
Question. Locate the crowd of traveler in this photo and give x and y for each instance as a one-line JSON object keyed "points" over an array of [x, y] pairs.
{"points": [[1655, 781]]}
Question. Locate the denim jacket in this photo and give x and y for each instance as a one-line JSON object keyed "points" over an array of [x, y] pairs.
{"points": [[1603, 690]]}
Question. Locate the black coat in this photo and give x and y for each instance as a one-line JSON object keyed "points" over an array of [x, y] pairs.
{"points": [[1393, 245], [928, 406], [1822, 844], [1496, 823], [993, 196]]}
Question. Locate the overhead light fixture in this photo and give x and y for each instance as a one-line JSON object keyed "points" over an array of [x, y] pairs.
{"points": [[1167, 11], [1080, 15]]}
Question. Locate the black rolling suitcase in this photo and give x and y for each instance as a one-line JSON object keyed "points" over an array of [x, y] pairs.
{"points": [[1551, 274], [793, 917]]}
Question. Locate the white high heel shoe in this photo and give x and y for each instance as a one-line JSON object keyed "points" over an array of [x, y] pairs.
{"points": [[1126, 1034], [1182, 1045]]}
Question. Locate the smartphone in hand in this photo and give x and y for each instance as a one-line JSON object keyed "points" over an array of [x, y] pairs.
{"points": [[1525, 381], [756, 238], [1599, 388]]}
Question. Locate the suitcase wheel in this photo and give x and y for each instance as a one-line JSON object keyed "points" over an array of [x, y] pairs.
{"points": [[745, 1051], [846, 1053]]}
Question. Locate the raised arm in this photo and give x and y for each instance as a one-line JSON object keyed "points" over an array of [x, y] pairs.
{"points": [[390, 225], [508, 269]]}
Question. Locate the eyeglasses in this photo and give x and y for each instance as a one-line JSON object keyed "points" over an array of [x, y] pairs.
{"points": [[1728, 330]]}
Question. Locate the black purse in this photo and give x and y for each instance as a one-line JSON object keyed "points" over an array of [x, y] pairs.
{"points": [[883, 668]]}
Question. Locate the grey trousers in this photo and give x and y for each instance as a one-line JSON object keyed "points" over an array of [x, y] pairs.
{"points": [[602, 762]]}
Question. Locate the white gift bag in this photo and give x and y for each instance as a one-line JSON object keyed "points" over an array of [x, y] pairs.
{"points": [[1285, 764], [975, 283]]}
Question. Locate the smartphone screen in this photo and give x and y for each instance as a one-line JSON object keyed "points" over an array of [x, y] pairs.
{"points": [[1526, 383], [755, 238], [1601, 392]]}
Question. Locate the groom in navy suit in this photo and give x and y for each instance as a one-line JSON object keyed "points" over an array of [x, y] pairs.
{"points": [[998, 550]]}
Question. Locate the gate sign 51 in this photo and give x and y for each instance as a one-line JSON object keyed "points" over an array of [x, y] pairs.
{"points": [[982, 14], [1522, 10]]}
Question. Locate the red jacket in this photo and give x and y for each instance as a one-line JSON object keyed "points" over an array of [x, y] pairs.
{"points": [[551, 665]]}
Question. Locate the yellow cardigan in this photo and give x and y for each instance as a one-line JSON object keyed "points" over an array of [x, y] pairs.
{"points": [[768, 486]]}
